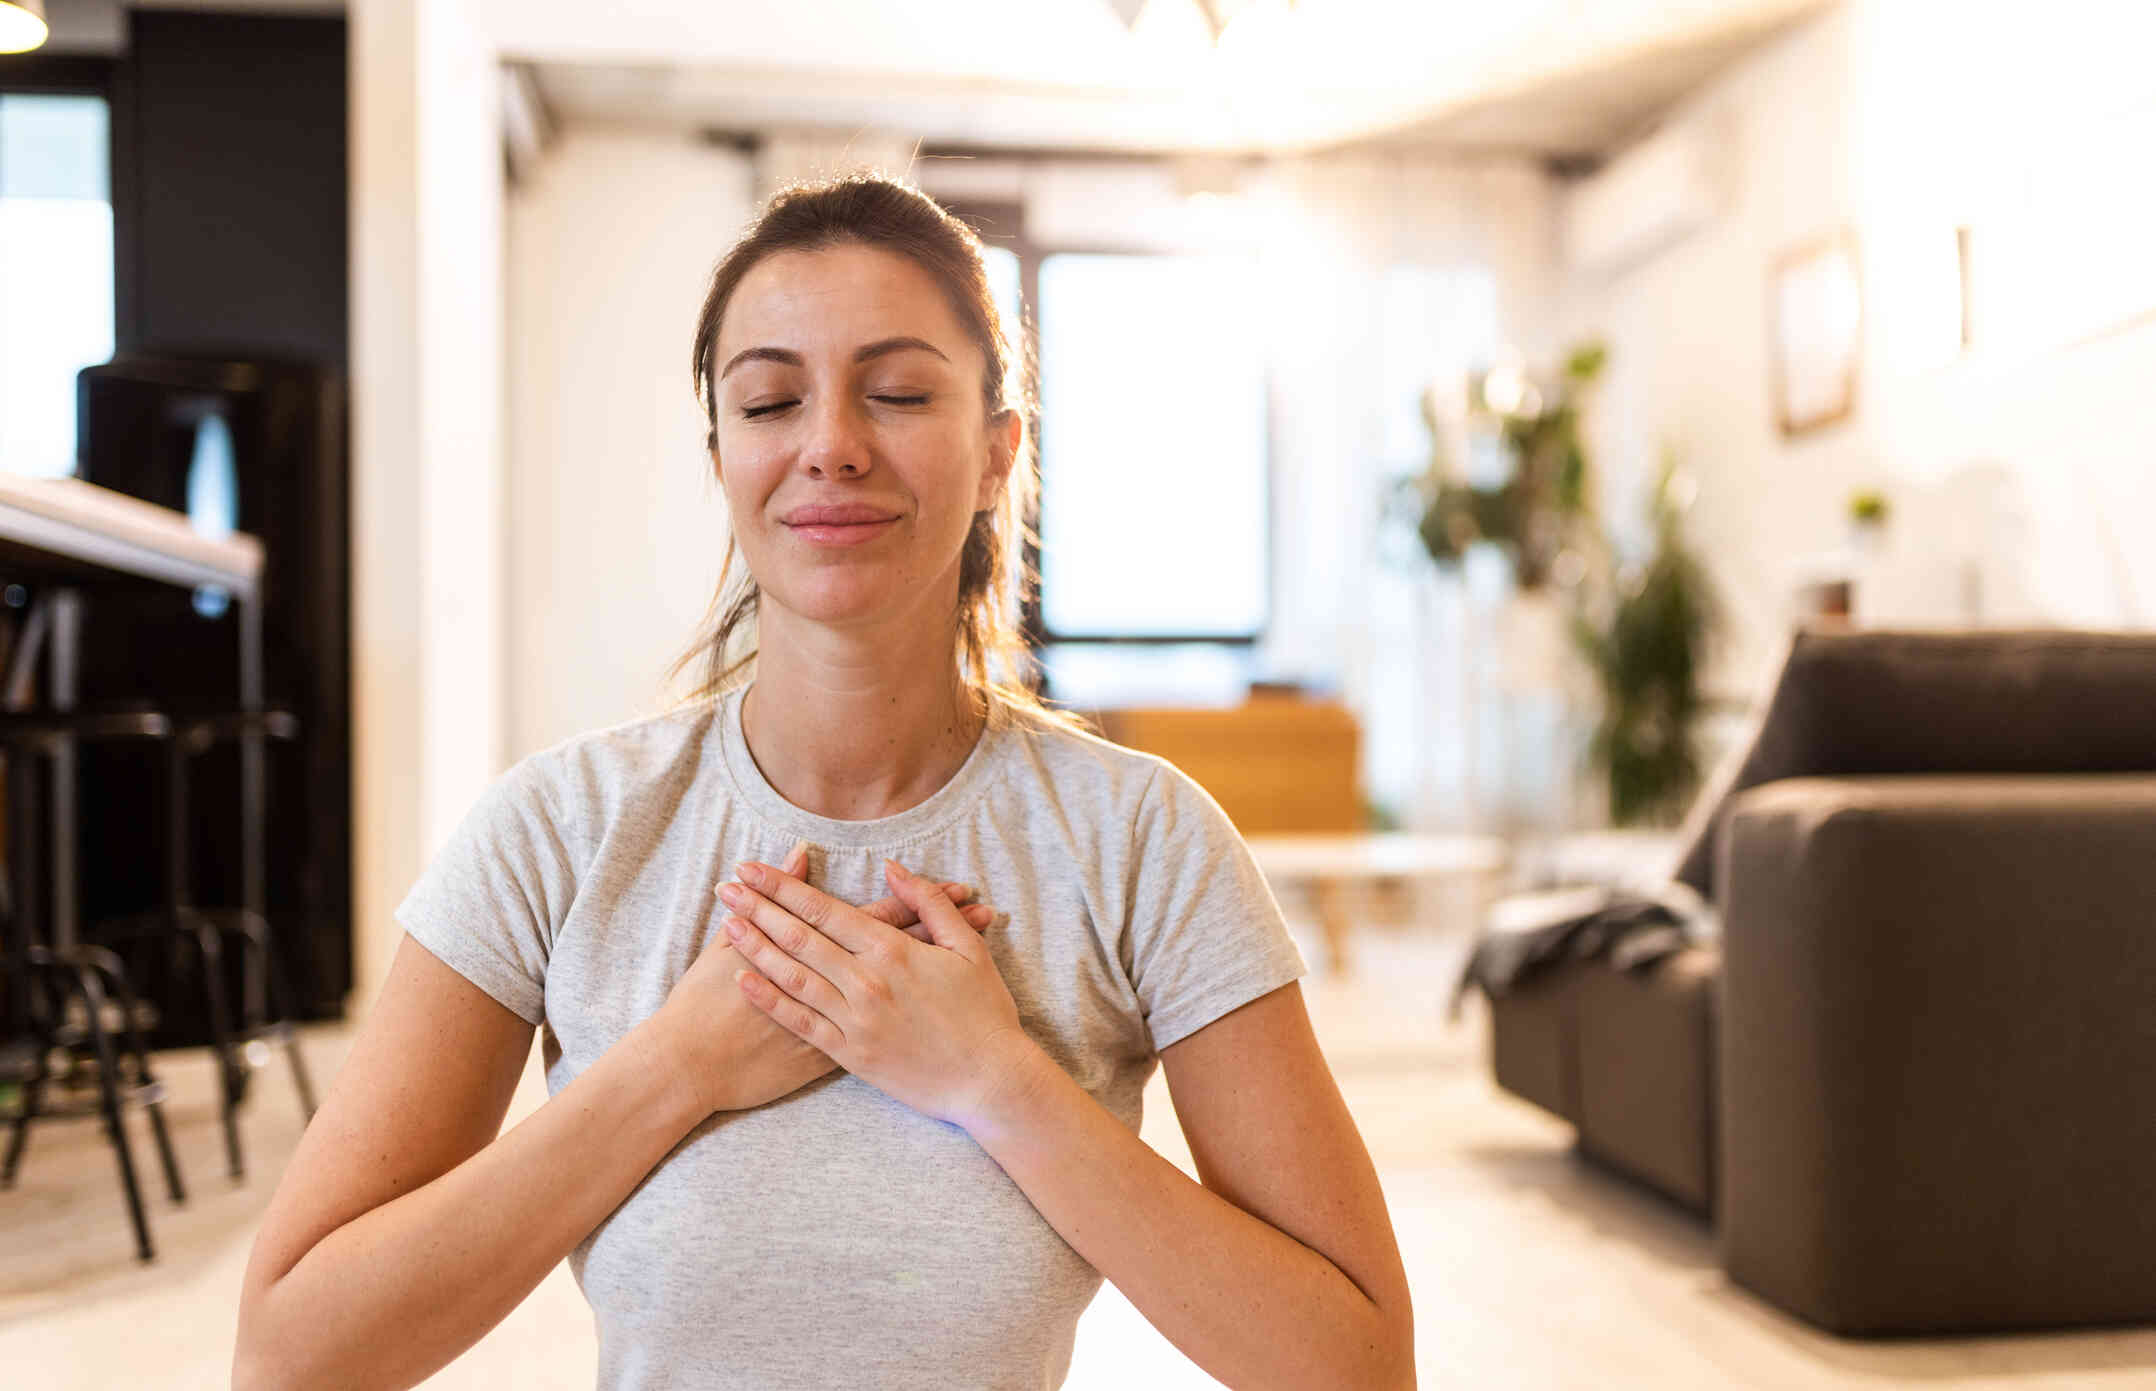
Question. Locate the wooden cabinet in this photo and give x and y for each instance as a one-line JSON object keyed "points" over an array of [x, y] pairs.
{"points": [[1274, 763]]}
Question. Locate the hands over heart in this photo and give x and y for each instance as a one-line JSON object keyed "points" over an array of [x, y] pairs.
{"points": [[726, 1050], [930, 1023]]}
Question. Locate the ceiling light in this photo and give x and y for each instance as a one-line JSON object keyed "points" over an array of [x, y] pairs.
{"points": [[1215, 15], [22, 25]]}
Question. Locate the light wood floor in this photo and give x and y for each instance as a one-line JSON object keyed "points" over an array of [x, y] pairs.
{"points": [[1529, 1270]]}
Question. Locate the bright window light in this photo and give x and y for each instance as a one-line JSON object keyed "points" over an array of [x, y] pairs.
{"points": [[56, 315], [1153, 447]]}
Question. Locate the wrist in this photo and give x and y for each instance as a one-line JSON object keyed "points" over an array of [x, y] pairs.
{"points": [[685, 1086], [1012, 1087]]}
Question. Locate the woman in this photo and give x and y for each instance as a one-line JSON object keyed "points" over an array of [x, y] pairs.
{"points": [[790, 1144]]}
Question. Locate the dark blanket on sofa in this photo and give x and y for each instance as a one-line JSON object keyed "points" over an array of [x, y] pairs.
{"points": [[1628, 930]]}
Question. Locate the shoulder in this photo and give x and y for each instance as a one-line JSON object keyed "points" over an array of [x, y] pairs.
{"points": [[1138, 789], [594, 771]]}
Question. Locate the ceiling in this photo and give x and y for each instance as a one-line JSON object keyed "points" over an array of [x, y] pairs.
{"points": [[1567, 80], [1599, 105], [1555, 79]]}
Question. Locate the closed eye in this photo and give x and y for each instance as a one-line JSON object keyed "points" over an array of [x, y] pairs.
{"points": [[753, 412], [917, 400]]}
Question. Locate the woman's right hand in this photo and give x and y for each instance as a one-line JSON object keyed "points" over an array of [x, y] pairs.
{"points": [[730, 1053]]}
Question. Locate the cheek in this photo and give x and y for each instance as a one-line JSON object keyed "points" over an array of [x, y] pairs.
{"points": [[748, 474]]}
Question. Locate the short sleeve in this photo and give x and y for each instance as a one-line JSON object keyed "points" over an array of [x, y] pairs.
{"points": [[489, 902], [1205, 932]]}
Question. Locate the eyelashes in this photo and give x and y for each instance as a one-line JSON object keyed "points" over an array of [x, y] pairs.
{"points": [[771, 408]]}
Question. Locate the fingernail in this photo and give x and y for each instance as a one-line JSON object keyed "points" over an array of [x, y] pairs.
{"points": [[736, 929], [731, 893], [751, 873], [901, 870]]}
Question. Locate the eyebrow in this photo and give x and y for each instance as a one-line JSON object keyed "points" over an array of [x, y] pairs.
{"points": [[867, 351]]}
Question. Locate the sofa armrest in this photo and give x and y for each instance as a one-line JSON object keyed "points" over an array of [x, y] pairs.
{"points": [[1938, 1050]]}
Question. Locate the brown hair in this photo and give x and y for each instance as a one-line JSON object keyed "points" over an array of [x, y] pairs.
{"points": [[876, 211]]}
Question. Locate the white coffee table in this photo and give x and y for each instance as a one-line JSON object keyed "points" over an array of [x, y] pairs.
{"points": [[1331, 862]]}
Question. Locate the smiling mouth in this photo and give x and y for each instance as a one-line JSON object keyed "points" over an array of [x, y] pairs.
{"points": [[839, 533]]}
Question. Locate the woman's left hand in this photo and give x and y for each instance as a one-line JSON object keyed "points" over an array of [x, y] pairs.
{"points": [[932, 1025]]}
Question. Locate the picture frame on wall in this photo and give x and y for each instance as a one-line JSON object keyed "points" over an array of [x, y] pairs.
{"points": [[1817, 321]]}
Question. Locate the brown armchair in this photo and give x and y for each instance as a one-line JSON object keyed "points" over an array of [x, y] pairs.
{"points": [[1914, 1084]]}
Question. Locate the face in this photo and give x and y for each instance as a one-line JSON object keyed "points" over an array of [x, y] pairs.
{"points": [[854, 446]]}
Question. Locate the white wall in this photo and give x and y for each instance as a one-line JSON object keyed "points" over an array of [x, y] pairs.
{"points": [[616, 529], [2023, 472], [426, 446]]}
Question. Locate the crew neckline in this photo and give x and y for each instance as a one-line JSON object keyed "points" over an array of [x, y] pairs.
{"points": [[916, 822]]}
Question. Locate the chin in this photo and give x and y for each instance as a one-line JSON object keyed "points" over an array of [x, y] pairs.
{"points": [[841, 594]]}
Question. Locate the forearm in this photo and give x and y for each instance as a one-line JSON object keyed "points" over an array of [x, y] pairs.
{"points": [[398, 1292], [1248, 1303]]}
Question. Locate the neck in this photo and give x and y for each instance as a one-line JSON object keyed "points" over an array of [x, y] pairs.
{"points": [[854, 726]]}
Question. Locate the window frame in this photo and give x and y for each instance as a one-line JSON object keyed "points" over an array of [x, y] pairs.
{"points": [[1002, 224]]}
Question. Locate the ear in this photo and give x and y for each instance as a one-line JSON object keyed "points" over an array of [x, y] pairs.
{"points": [[1006, 432]]}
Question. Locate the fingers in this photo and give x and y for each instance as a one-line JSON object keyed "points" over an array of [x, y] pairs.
{"points": [[893, 911], [890, 910], [787, 967], [759, 925], [946, 923], [804, 1023], [833, 918]]}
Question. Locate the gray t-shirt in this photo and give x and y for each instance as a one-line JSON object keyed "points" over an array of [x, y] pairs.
{"points": [[837, 1237]]}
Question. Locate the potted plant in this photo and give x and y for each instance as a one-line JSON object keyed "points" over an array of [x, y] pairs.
{"points": [[1534, 515], [1648, 648]]}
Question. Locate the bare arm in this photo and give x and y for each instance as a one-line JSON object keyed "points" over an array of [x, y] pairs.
{"points": [[404, 1229], [1281, 1269]]}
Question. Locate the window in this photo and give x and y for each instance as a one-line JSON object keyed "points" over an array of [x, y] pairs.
{"points": [[1153, 449], [56, 281]]}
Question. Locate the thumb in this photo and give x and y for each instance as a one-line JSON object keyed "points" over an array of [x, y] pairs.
{"points": [[934, 908]]}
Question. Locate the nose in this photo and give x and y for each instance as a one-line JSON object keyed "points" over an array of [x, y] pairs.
{"points": [[836, 442]]}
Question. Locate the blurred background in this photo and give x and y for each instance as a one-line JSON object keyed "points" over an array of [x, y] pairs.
{"points": [[1538, 370]]}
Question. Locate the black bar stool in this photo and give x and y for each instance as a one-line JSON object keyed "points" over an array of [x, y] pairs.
{"points": [[46, 980], [210, 931]]}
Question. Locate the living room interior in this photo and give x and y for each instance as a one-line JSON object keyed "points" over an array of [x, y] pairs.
{"points": [[1638, 511]]}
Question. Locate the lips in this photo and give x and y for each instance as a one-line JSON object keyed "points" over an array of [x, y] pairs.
{"points": [[838, 514], [839, 524]]}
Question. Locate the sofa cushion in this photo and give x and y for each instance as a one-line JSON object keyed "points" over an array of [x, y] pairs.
{"points": [[1531, 1039], [1645, 1062]]}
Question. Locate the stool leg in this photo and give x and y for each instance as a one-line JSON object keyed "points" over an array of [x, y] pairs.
{"points": [[292, 1052], [255, 932], [33, 1101], [108, 1084], [211, 953], [208, 949], [109, 965]]}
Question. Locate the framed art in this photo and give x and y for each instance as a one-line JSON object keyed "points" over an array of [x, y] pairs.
{"points": [[1817, 319]]}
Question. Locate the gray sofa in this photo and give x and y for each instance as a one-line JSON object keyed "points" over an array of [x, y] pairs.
{"points": [[1913, 1085]]}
